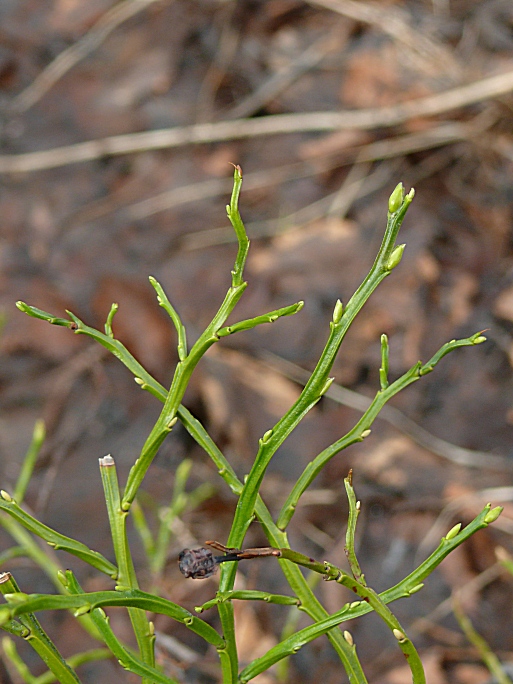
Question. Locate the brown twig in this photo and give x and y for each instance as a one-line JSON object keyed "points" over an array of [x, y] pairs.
{"points": [[76, 52], [393, 21], [363, 119], [395, 146], [286, 76]]}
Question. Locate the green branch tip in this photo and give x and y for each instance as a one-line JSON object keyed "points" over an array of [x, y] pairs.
{"points": [[43, 315], [108, 323]]}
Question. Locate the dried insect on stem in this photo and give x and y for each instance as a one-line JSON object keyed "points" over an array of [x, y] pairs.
{"points": [[197, 563], [201, 563]]}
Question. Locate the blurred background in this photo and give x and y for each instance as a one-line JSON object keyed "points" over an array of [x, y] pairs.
{"points": [[420, 92]]}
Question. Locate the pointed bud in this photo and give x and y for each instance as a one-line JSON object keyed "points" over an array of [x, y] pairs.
{"points": [[399, 635], [453, 532], [395, 258], [338, 311], [61, 576], [396, 199], [266, 436], [348, 637], [326, 387], [492, 515]]}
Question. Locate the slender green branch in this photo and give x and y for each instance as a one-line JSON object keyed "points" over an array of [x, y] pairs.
{"points": [[126, 659], [270, 317], [232, 211], [387, 259], [108, 323], [407, 587], [20, 604], [54, 539], [354, 512], [362, 427], [383, 371], [249, 595], [127, 578], [35, 635], [38, 437], [171, 311]]}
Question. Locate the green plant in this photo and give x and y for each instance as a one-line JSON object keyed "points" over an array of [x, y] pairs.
{"points": [[17, 616]]}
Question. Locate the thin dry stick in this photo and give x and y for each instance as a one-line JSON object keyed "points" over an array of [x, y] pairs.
{"points": [[384, 149], [437, 136], [76, 52], [392, 21], [283, 78], [363, 119]]}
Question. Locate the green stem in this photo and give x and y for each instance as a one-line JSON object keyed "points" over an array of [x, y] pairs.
{"points": [[54, 539], [35, 635], [125, 658], [38, 437], [407, 587], [127, 578], [362, 427], [316, 385]]}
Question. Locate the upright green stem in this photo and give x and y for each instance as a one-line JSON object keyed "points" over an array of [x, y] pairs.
{"points": [[127, 578], [187, 364], [387, 258]]}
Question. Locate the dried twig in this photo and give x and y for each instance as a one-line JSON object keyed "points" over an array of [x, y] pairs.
{"points": [[363, 119], [283, 78], [392, 20], [76, 52], [436, 136]]}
